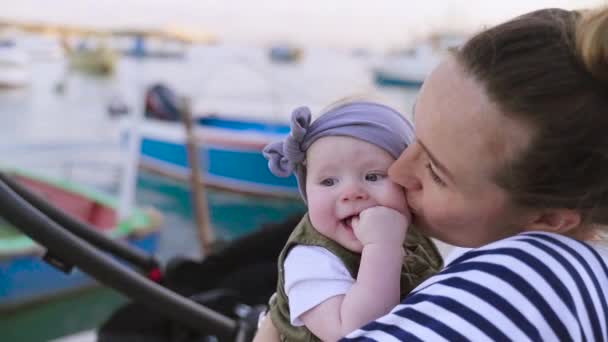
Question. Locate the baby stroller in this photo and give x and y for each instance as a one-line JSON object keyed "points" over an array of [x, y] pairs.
{"points": [[236, 281], [218, 299]]}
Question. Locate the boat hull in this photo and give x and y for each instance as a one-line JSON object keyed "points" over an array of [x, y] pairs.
{"points": [[14, 66], [15, 77], [230, 158], [392, 80], [27, 279]]}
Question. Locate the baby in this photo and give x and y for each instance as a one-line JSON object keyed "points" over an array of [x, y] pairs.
{"points": [[348, 261]]}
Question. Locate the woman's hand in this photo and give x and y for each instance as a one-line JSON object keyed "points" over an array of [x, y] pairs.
{"points": [[267, 331]]}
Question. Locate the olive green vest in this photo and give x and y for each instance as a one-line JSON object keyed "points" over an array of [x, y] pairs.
{"points": [[422, 259]]}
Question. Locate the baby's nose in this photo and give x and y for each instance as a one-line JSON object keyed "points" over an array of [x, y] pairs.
{"points": [[354, 193]]}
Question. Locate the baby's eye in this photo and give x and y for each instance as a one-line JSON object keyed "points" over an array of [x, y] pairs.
{"points": [[374, 177], [328, 182]]}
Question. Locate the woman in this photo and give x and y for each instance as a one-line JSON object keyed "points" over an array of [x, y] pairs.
{"points": [[511, 158]]}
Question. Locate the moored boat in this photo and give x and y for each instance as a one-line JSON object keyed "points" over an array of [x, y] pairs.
{"points": [[25, 278], [408, 68], [14, 65], [230, 150], [99, 60], [285, 53]]}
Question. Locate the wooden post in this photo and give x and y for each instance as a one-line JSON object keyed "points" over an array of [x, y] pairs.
{"points": [[128, 183], [200, 206]]}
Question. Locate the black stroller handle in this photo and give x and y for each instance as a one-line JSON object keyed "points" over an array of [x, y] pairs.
{"points": [[73, 249], [118, 248]]}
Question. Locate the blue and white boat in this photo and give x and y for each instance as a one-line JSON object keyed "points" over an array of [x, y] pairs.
{"points": [[408, 68], [230, 151]]}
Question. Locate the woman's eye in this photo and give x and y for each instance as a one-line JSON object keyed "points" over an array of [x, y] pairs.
{"points": [[434, 175], [328, 182], [374, 177]]}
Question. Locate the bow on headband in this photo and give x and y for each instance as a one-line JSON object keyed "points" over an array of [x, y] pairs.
{"points": [[284, 156]]}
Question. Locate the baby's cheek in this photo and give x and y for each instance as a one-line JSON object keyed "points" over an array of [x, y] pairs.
{"points": [[317, 210], [398, 199], [321, 209], [322, 221]]}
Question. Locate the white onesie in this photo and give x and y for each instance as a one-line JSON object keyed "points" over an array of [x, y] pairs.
{"points": [[312, 275]]}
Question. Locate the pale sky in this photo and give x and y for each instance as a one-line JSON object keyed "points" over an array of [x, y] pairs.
{"points": [[363, 23]]}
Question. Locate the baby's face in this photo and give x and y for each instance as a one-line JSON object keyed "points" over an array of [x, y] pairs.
{"points": [[344, 177]]}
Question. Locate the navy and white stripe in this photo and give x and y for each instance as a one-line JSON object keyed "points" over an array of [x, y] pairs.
{"points": [[531, 287]]}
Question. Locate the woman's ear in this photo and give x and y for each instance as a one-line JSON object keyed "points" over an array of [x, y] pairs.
{"points": [[559, 221]]}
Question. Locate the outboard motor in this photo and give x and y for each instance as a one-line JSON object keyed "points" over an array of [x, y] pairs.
{"points": [[161, 103]]}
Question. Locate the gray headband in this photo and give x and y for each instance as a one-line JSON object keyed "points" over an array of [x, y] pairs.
{"points": [[371, 122]]}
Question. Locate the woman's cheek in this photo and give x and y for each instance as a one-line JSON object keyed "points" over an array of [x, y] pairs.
{"points": [[439, 209]]}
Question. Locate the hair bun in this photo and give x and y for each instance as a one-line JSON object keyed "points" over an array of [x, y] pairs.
{"points": [[592, 42]]}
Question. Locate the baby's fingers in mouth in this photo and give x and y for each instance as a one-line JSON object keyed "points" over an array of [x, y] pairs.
{"points": [[354, 221]]}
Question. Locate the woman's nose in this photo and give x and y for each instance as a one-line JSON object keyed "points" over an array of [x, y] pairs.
{"points": [[410, 183], [403, 171]]}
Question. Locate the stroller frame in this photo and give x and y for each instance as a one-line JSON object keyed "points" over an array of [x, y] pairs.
{"points": [[70, 242]]}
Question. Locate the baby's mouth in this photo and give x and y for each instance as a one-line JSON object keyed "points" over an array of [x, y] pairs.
{"points": [[348, 221]]}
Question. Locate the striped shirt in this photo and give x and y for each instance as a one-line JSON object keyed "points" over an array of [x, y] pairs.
{"points": [[530, 287]]}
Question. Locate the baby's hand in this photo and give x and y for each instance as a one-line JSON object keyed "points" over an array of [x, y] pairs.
{"points": [[380, 225]]}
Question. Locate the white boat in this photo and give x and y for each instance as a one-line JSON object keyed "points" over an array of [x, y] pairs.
{"points": [[42, 48], [409, 68], [14, 65]]}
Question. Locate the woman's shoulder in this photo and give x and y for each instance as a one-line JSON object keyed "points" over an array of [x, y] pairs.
{"points": [[534, 254], [531, 246], [557, 278]]}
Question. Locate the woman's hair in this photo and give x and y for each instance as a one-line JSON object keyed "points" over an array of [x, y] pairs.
{"points": [[549, 70]]}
